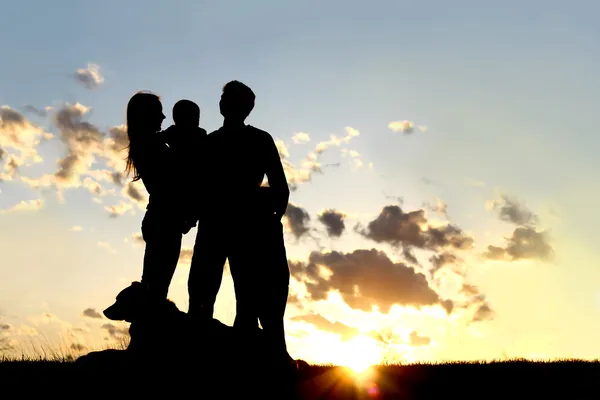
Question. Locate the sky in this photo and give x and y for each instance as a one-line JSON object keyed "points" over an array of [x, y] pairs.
{"points": [[441, 158]]}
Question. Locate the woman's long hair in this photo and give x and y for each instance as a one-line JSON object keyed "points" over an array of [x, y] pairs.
{"points": [[138, 108]]}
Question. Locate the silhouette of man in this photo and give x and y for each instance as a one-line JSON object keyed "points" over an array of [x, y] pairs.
{"points": [[187, 139], [241, 222]]}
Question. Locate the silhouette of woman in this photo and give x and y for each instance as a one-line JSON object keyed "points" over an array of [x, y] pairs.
{"points": [[164, 223]]}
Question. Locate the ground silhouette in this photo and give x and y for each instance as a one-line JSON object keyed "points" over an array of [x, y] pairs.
{"points": [[570, 379]]}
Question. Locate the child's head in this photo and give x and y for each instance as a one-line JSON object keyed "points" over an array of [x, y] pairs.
{"points": [[186, 113]]}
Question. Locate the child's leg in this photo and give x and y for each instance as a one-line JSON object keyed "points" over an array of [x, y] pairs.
{"points": [[243, 272], [274, 290], [163, 245]]}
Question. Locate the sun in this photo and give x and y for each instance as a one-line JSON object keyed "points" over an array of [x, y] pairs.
{"points": [[360, 354]]}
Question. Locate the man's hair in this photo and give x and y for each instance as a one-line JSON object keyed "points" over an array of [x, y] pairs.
{"points": [[185, 111], [237, 99]]}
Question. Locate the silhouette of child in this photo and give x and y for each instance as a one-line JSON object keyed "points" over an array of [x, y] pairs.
{"points": [[186, 138]]}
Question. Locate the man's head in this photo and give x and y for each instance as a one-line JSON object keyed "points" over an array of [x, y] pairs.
{"points": [[237, 101], [186, 113]]}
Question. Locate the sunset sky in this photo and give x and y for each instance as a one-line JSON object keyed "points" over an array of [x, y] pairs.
{"points": [[442, 158]]}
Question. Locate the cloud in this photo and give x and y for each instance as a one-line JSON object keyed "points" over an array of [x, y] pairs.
{"points": [[397, 228], [416, 340], [138, 238], [311, 163], [365, 278], [107, 247], [297, 220], [333, 221], [318, 321], [525, 243], [119, 209], [19, 139], [24, 206], [405, 126], [92, 313], [89, 77], [301, 137], [439, 207], [510, 209], [76, 228]]}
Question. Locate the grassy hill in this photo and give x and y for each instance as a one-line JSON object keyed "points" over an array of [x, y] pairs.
{"points": [[515, 379]]}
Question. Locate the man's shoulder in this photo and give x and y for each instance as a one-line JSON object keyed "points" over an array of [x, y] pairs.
{"points": [[261, 133]]}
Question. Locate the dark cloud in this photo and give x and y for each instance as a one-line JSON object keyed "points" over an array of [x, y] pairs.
{"points": [[5, 327], [91, 313], [132, 192], [366, 278], [78, 347], [82, 138], [298, 219], [119, 139], [344, 331], [409, 256], [117, 178], [525, 243], [483, 313], [440, 260], [416, 340], [115, 331], [333, 221], [510, 209], [397, 228], [386, 336], [2, 153], [34, 110]]}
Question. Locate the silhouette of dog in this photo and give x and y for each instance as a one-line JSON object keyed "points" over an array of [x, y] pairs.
{"points": [[166, 341], [160, 330]]}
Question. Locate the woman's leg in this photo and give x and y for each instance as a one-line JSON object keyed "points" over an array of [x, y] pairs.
{"points": [[163, 245]]}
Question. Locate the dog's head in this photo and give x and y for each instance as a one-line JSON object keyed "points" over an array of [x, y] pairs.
{"points": [[136, 303], [130, 303]]}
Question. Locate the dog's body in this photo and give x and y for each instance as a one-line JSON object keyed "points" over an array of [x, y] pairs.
{"points": [[160, 331], [168, 346]]}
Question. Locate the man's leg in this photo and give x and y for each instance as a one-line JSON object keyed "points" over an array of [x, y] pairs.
{"points": [[206, 269], [163, 246]]}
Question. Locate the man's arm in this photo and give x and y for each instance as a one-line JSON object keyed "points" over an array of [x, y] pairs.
{"points": [[276, 176]]}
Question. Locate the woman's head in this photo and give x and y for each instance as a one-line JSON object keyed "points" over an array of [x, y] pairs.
{"points": [[144, 117]]}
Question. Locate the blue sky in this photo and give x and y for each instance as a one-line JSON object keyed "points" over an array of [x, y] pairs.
{"points": [[507, 93]]}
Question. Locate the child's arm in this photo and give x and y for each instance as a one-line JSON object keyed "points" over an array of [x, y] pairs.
{"points": [[276, 176]]}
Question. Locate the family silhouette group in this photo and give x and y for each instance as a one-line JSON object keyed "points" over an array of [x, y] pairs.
{"points": [[215, 182]]}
